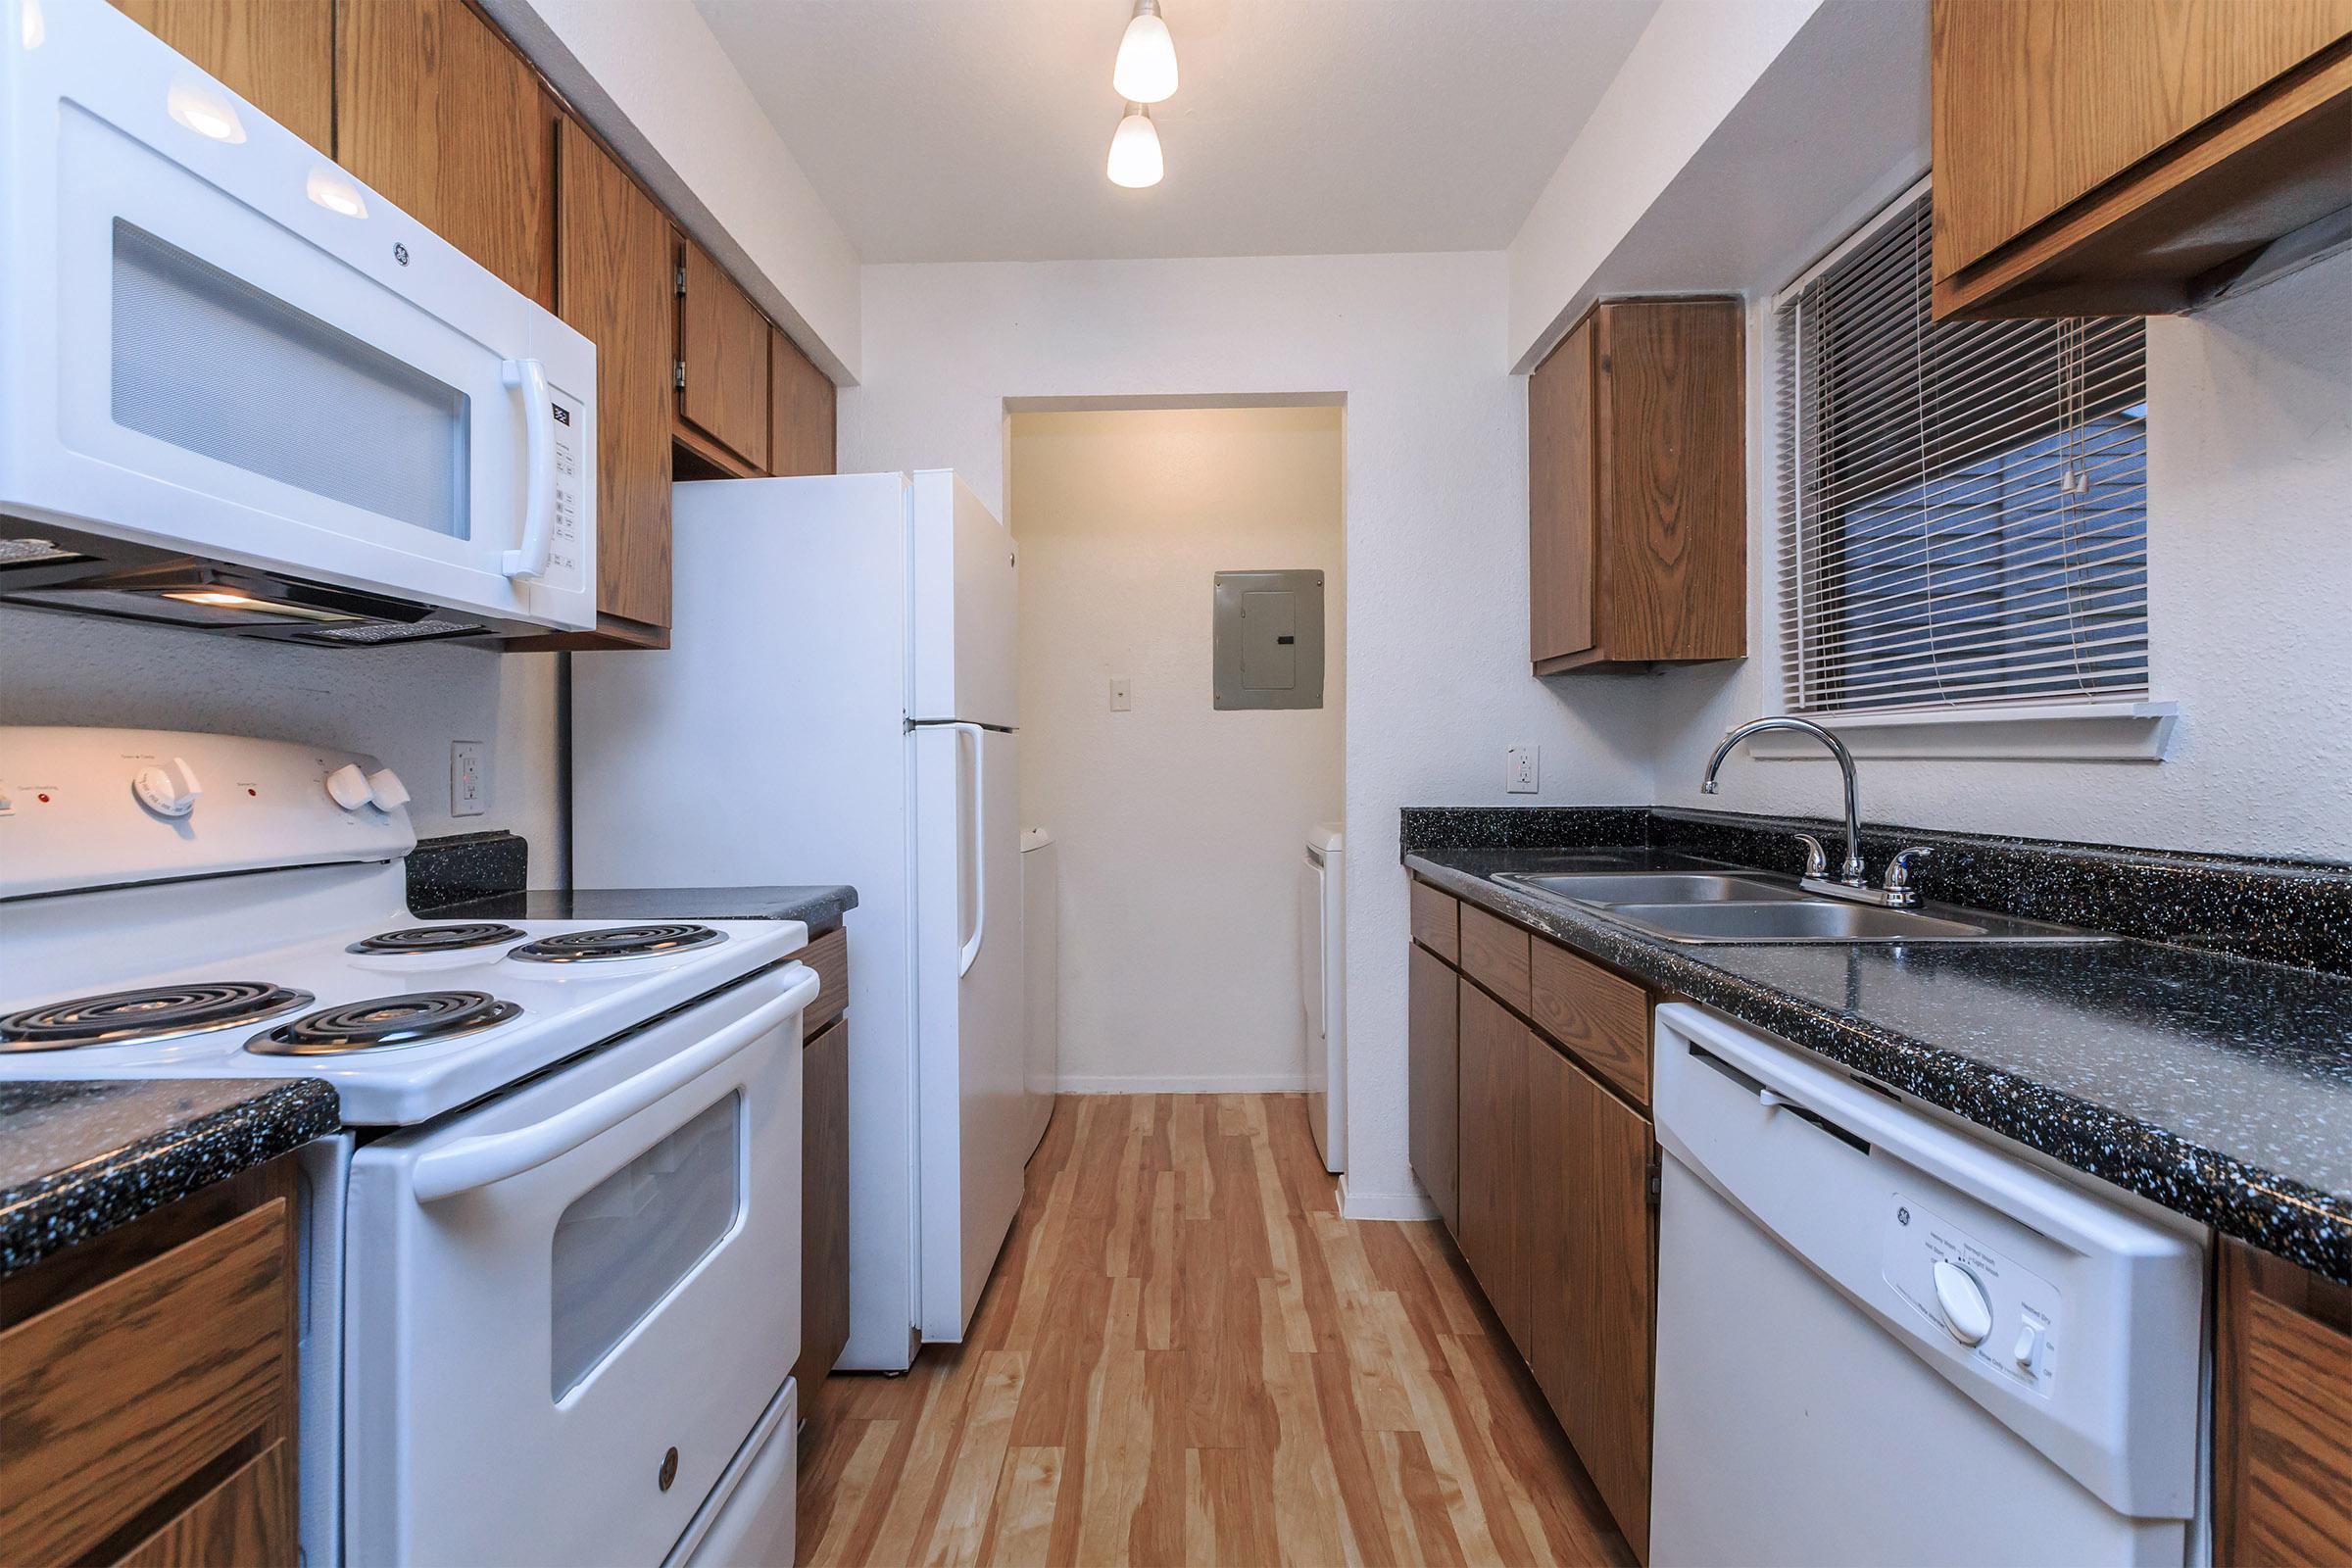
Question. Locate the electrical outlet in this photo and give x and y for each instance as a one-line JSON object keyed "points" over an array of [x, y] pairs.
{"points": [[1522, 767], [1122, 695], [468, 778]]}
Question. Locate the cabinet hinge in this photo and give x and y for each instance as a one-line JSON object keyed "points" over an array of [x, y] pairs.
{"points": [[1654, 1178], [681, 276], [677, 375]]}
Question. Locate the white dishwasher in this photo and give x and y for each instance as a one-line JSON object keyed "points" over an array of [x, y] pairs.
{"points": [[1884, 1341]]}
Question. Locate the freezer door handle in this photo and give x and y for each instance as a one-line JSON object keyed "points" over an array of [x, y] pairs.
{"points": [[971, 953]]}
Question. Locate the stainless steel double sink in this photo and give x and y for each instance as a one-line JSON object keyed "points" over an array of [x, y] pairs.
{"points": [[1699, 907]]}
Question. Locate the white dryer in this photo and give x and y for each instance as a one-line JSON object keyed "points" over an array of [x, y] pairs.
{"points": [[1322, 987]]}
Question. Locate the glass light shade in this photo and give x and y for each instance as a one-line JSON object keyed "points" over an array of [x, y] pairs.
{"points": [[1135, 160], [204, 112], [1145, 70]]}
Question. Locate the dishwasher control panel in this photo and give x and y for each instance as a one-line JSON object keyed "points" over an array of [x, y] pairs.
{"points": [[2000, 1313]]}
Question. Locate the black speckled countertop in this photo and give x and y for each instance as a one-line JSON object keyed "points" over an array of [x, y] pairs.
{"points": [[2219, 1086], [81, 1158], [821, 908]]}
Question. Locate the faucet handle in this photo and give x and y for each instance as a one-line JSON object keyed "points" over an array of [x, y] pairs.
{"points": [[1898, 870], [1817, 858]]}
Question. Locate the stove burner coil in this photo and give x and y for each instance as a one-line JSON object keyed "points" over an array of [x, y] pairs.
{"points": [[616, 941], [125, 1017], [438, 937], [382, 1023]]}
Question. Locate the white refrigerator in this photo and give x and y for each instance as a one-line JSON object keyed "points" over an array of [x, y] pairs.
{"points": [[837, 704]]}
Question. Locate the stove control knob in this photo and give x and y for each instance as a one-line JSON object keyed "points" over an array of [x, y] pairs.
{"points": [[170, 790], [347, 785], [386, 789]]}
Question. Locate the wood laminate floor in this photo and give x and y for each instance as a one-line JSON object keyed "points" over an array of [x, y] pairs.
{"points": [[1186, 1356]]}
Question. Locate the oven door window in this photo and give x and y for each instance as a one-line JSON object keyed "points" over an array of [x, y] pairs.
{"points": [[628, 1240], [214, 365]]}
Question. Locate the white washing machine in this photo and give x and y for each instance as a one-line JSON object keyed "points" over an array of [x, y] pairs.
{"points": [[1322, 985], [1041, 909]]}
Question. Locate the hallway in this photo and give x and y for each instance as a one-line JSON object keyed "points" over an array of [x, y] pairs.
{"points": [[1187, 1356]]}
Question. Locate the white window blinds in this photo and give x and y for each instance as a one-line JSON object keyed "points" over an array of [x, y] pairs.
{"points": [[1963, 505]]}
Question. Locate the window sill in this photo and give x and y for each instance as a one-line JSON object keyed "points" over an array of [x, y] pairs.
{"points": [[2059, 732]]}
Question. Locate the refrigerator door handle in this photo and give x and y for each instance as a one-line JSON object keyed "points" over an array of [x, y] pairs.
{"points": [[971, 953]]}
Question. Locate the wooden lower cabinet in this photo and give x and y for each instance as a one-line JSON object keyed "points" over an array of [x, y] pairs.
{"points": [[2283, 1413], [1495, 1184], [148, 1387], [1593, 1267], [1434, 1081], [824, 1206], [1529, 1133]]}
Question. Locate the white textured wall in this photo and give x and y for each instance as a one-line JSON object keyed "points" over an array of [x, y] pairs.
{"points": [[1179, 826], [2249, 580], [403, 704], [1435, 541]]}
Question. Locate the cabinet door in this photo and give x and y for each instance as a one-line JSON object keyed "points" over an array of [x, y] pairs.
{"points": [[723, 343], [2282, 1413], [1593, 1267], [1494, 1166], [1432, 1081], [242, 1520], [2037, 105], [825, 1207], [277, 54], [436, 110], [613, 282], [800, 425], [1561, 499]]}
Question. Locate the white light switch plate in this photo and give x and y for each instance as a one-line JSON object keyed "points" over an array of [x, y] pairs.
{"points": [[1122, 695], [1521, 769], [468, 778]]}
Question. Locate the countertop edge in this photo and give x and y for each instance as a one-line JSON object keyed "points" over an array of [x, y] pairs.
{"points": [[2305, 1225], [53, 1213]]}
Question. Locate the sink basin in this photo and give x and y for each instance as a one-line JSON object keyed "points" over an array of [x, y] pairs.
{"points": [[1727, 906], [1790, 921], [1664, 887]]}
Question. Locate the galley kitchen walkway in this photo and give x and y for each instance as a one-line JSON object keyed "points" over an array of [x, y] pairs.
{"points": [[1187, 1356]]}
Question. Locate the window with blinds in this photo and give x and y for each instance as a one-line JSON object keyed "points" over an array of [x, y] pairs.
{"points": [[1963, 505]]}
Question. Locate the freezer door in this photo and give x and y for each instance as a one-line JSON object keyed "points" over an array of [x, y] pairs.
{"points": [[966, 605], [971, 1012]]}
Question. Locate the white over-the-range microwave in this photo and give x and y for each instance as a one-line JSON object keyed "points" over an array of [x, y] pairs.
{"points": [[241, 391]]}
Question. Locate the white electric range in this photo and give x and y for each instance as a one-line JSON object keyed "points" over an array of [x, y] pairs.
{"points": [[552, 1297]]}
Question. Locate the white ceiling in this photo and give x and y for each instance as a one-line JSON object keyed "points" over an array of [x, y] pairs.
{"points": [[944, 130]]}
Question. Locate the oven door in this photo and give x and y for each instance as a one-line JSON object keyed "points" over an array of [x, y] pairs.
{"points": [[567, 1310], [216, 342]]}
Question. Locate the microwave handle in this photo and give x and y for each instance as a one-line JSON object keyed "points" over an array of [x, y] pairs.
{"points": [[471, 1162], [539, 496]]}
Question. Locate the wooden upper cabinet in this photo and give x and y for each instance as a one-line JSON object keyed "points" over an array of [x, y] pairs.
{"points": [[801, 420], [613, 283], [2281, 1413], [2130, 156], [436, 110], [1638, 488], [723, 346], [277, 54]]}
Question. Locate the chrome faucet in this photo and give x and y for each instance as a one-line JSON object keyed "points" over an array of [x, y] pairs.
{"points": [[1897, 893]]}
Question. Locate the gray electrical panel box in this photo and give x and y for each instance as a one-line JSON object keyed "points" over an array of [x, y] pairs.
{"points": [[1269, 639]]}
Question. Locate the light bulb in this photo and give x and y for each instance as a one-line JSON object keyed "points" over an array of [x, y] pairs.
{"points": [[204, 111], [1135, 160], [337, 194], [1146, 70]]}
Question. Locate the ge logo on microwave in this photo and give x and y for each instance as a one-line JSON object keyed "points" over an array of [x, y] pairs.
{"points": [[400, 252]]}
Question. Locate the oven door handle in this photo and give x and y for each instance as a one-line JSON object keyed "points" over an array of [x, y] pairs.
{"points": [[472, 1162]]}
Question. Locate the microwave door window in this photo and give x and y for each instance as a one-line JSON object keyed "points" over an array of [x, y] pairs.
{"points": [[215, 366]]}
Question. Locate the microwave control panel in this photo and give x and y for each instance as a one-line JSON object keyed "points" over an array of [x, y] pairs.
{"points": [[564, 566]]}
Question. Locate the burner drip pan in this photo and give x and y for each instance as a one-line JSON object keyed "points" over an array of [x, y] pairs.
{"points": [[382, 1024], [151, 1012], [438, 937], [616, 941]]}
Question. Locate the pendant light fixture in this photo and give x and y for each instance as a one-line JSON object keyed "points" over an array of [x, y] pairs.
{"points": [[1146, 70], [1135, 160]]}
